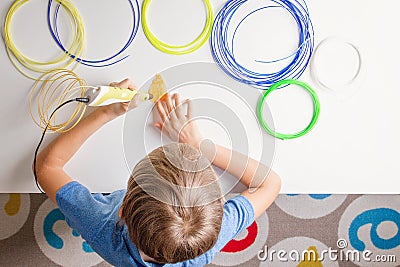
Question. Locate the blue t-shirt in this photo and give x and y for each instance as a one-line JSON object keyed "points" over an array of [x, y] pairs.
{"points": [[95, 217]]}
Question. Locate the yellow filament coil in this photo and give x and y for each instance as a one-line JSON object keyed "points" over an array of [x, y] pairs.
{"points": [[76, 45], [51, 90], [178, 49]]}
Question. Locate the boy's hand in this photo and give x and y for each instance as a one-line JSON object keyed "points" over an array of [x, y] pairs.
{"points": [[118, 109], [177, 125]]}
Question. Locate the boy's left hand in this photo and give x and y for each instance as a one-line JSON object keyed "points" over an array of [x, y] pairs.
{"points": [[118, 109]]}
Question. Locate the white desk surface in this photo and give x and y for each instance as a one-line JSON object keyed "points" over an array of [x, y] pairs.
{"points": [[353, 148]]}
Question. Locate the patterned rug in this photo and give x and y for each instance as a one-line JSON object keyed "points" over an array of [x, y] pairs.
{"points": [[297, 230]]}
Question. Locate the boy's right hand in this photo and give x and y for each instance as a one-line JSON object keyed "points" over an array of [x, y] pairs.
{"points": [[175, 123]]}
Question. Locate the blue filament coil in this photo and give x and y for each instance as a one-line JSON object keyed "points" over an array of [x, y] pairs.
{"points": [[222, 44], [52, 24]]}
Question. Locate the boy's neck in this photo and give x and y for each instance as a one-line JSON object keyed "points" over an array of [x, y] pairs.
{"points": [[146, 258]]}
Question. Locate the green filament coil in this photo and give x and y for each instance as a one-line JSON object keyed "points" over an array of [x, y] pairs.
{"points": [[275, 86]]}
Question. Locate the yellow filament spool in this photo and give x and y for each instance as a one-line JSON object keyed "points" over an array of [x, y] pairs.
{"points": [[51, 90], [178, 49], [20, 61]]}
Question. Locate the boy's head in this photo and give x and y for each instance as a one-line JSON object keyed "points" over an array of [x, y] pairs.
{"points": [[173, 206]]}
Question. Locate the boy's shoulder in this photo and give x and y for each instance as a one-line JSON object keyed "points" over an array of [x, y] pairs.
{"points": [[238, 215], [239, 212]]}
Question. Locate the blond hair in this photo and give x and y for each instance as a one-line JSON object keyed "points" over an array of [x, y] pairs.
{"points": [[173, 205]]}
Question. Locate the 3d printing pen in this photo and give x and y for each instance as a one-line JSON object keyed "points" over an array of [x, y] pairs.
{"points": [[105, 95]]}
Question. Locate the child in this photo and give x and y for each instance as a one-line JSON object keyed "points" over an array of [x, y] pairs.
{"points": [[172, 212]]}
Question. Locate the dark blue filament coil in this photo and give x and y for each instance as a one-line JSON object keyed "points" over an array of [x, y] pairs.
{"points": [[101, 62], [222, 44]]}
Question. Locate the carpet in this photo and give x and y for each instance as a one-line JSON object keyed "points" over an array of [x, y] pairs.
{"points": [[297, 230]]}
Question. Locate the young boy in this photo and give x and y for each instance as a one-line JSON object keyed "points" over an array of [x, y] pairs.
{"points": [[172, 212]]}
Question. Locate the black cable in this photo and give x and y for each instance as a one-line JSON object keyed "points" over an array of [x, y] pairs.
{"points": [[79, 99]]}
